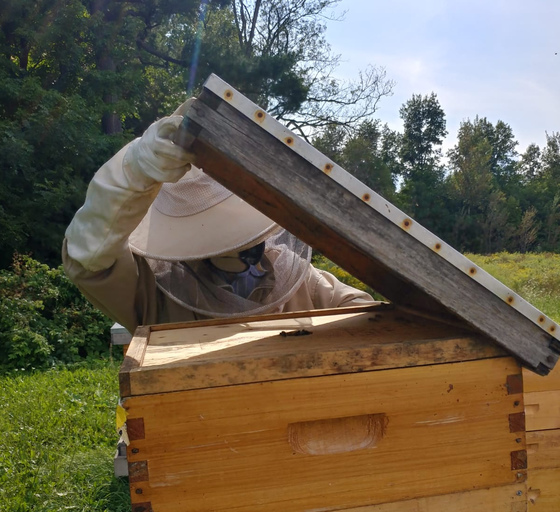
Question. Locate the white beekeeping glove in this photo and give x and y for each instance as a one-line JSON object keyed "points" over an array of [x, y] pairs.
{"points": [[155, 156], [121, 192]]}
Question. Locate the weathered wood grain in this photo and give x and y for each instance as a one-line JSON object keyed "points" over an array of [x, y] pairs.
{"points": [[265, 349], [300, 197]]}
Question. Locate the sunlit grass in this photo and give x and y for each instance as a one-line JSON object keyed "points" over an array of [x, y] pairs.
{"points": [[536, 277], [58, 439]]}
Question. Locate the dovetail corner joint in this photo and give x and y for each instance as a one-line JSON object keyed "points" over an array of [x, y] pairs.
{"points": [[514, 384], [135, 429], [138, 471], [142, 507], [517, 422], [519, 460]]}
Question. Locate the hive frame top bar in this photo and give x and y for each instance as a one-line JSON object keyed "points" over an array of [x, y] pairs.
{"points": [[246, 107]]}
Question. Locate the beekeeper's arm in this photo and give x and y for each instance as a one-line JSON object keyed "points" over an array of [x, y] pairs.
{"points": [[95, 252]]}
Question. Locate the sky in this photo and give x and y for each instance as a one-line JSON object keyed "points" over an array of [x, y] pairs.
{"points": [[492, 58]]}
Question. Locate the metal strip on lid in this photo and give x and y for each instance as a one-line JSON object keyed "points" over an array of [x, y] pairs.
{"points": [[245, 106]]}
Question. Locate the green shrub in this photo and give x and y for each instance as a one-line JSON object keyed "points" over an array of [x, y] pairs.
{"points": [[45, 320]]}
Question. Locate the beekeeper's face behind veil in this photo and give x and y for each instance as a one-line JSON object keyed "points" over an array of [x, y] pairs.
{"points": [[214, 253]]}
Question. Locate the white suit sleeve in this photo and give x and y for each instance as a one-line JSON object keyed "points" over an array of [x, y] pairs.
{"points": [[121, 192]]}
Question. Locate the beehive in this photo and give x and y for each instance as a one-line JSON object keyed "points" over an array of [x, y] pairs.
{"points": [[356, 409]]}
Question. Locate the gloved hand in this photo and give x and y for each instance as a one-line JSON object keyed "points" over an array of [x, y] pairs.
{"points": [[155, 156]]}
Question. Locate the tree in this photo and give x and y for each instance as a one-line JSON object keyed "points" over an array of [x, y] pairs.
{"points": [[78, 79], [295, 65], [50, 132], [482, 172], [421, 170], [363, 157], [331, 142], [528, 230], [552, 224], [70, 75], [503, 159], [470, 163], [529, 167], [366, 154], [550, 197]]}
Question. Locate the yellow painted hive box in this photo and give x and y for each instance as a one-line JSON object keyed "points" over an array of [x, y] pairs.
{"points": [[355, 409]]}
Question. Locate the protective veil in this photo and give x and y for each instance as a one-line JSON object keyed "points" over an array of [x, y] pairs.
{"points": [[197, 286]]}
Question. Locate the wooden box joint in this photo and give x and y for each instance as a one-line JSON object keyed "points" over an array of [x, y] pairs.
{"points": [[138, 471], [514, 384], [135, 429], [142, 507], [519, 460], [517, 422]]}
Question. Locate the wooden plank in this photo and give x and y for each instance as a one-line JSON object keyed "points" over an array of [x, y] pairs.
{"points": [[543, 449], [542, 410], [133, 359], [264, 350], [212, 322], [269, 175], [543, 490], [509, 498], [227, 448], [533, 382]]}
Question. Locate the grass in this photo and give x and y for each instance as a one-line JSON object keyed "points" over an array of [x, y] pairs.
{"points": [[58, 441], [536, 277], [57, 427]]}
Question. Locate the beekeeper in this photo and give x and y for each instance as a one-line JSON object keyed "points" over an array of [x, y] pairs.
{"points": [[157, 240]]}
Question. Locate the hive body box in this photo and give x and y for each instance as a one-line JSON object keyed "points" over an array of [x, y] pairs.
{"points": [[356, 409], [542, 410]]}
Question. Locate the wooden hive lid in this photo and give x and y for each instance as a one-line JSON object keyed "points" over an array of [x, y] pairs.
{"points": [[260, 160], [212, 353]]}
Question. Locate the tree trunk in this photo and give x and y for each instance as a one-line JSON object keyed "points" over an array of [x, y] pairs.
{"points": [[110, 122]]}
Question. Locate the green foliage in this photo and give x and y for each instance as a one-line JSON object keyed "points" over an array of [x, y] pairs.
{"points": [[45, 320], [367, 154], [78, 79], [424, 128], [58, 440]]}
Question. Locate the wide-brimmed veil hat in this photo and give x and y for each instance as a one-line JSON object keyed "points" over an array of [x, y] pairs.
{"points": [[197, 218]]}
